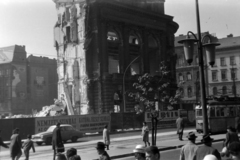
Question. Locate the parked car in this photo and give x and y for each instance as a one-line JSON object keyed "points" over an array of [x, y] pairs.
{"points": [[68, 132]]}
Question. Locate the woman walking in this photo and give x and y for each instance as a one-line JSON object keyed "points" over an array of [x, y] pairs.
{"points": [[15, 145], [145, 134], [106, 137]]}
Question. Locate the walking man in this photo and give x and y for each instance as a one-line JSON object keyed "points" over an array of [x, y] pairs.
{"points": [[206, 149], [27, 145], [56, 140], [1, 142], [106, 137], [188, 151], [103, 155], [180, 127]]}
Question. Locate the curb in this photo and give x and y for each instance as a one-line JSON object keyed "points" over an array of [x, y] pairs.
{"points": [[160, 149]]}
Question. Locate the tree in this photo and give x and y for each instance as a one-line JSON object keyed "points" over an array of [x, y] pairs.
{"points": [[160, 87]]}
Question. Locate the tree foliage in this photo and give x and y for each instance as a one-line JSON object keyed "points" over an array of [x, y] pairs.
{"points": [[149, 87]]}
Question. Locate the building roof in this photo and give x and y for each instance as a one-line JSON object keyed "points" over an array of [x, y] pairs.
{"points": [[7, 53], [229, 42]]}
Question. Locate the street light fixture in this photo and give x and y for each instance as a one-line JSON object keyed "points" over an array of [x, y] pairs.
{"points": [[188, 45]]}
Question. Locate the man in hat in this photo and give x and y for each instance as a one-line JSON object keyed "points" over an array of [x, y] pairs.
{"points": [[180, 127], [206, 149], [56, 139], [103, 155], [188, 151], [139, 152]]}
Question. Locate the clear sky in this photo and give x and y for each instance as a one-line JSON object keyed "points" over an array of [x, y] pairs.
{"points": [[30, 22]]}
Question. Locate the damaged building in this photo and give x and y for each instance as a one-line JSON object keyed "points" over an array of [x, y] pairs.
{"points": [[99, 41]]}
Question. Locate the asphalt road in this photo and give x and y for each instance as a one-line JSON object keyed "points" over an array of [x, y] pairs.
{"points": [[174, 154]]}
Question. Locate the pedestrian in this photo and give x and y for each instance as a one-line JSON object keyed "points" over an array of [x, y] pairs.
{"points": [[106, 137], [60, 156], [57, 144], [27, 145], [145, 134], [15, 145], [1, 142], [234, 150], [152, 153], [188, 151], [231, 136], [206, 149], [180, 127], [103, 155], [139, 152]]}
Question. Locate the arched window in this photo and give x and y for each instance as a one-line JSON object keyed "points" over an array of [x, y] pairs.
{"points": [[224, 90], [215, 92], [134, 50], [189, 92], [180, 77], [113, 52], [189, 76]]}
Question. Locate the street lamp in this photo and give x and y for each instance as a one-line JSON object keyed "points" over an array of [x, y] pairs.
{"points": [[188, 45], [124, 74]]}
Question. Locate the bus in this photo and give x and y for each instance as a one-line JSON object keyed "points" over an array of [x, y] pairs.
{"points": [[221, 113]]}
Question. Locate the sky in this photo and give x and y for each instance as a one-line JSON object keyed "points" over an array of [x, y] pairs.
{"points": [[30, 22]]}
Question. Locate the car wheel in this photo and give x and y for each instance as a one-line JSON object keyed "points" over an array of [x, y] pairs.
{"points": [[74, 139], [48, 141], [39, 143]]}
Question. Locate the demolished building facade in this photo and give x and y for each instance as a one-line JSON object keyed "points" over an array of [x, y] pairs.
{"points": [[97, 40]]}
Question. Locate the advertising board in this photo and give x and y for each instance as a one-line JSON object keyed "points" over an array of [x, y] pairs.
{"points": [[163, 115], [86, 123]]}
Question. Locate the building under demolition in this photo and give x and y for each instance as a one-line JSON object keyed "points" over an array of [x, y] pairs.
{"points": [[99, 41]]}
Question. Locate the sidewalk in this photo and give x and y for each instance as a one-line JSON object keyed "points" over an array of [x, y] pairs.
{"points": [[165, 141]]}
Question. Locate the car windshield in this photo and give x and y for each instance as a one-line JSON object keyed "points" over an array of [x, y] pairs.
{"points": [[50, 129]]}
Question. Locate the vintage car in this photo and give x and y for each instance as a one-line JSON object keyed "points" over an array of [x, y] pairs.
{"points": [[67, 133]]}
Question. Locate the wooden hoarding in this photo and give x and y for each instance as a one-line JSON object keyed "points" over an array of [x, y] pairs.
{"points": [[85, 123]]}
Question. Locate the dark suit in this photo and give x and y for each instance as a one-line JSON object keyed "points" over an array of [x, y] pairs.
{"points": [[205, 150], [231, 137], [180, 127], [56, 140]]}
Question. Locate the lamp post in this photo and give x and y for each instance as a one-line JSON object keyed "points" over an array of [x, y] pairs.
{"points": [[124, 74], [188, 45]]}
